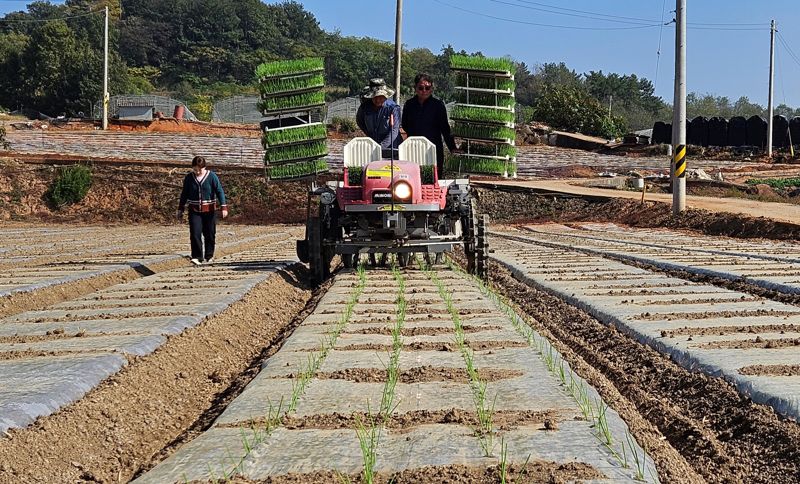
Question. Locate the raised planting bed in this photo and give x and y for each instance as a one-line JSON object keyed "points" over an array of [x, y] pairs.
{"points": [[312, 149], [292, 93], [493, 149], [481, 64], [480, 164], [493, 83], [484, 115], [297, 170], [293, 135], [489, 114], [483, 132], [292, 102], [281, 85], [485, 97], [289, 68]]}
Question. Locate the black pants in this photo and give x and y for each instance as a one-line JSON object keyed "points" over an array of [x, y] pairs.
{"points": [[202, 228], [440, 159]]}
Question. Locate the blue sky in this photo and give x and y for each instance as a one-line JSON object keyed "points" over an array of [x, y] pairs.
{"points": [[728, 60], [729, 63]]}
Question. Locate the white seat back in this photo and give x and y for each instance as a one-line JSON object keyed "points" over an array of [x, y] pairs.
{"points": [[360, 152], [418, 149]]}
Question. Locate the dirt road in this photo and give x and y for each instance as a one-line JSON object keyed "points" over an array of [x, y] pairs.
{"points": [[781, 212]]}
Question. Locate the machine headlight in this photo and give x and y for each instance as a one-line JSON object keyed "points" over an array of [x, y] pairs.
{"points": [[327, 198], [402, 191]]}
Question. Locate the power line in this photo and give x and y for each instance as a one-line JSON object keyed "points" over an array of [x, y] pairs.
{"points": [[788, 49], [574, 27], [587, 15], [778, 68], [632, 19], [729, 28], [658, 52], [535, 24]]}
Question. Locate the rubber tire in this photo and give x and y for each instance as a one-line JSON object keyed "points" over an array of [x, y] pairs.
{"points": [[403, 259], [317, 258], [482, 249], [469, 224]]}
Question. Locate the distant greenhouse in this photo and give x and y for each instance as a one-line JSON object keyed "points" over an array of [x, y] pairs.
{"points": [[240, 109], [141, 106]]}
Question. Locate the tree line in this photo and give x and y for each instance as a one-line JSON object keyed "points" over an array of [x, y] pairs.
{"points": [[51, 59]]}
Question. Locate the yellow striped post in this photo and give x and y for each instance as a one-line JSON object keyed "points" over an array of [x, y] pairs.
{"points": [[679, 161]]}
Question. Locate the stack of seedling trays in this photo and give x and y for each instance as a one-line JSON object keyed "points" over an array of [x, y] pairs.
{"points": [[292, 96], [484, 116]]}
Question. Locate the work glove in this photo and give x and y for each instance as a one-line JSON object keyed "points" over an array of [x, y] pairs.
{"points": [[179, 214]]}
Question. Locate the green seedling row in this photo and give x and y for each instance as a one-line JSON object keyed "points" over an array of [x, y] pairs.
{"points": [[355, 176], [426, 174], [468, 164], [493, 149], [297, 170], [272, 138], [476, 131], [485, 82], [286, 153], [289, 67], [479, 63], [482, 115], [593, 409], [485, 99], [277, 85], [284, 103]]}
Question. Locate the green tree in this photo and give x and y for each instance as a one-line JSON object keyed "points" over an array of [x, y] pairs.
{"points": [[628, 96], [743, 107], [351, 61], [571, 108], [527, 85], [12, 46]]}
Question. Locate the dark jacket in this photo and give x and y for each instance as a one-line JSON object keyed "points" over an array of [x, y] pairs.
{"points": [[429, 119], [202, 195], [375, 123]]}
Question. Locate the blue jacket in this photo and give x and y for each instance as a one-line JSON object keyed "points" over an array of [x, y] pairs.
{"points": [[375, 123], [202, 195]]}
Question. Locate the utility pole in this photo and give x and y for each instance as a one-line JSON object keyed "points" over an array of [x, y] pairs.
{"points": [[105, 76], [771, 84], [678, 167], [398, 50]]}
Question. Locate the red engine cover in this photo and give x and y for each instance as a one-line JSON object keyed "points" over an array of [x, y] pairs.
{"points": [[378, 178]]}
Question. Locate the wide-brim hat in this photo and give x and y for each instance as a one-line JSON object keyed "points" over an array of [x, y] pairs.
{"points": [[377, 87]]}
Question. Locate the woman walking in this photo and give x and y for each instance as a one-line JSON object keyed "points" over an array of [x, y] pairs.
{"points": [[202, 189]]}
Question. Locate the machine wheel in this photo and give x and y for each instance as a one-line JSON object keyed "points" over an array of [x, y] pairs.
{"points": [[482, 248], [469, 225], [347, 261], [403, 259], [319, 264]]}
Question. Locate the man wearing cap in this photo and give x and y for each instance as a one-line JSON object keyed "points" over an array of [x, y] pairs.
{"points": [[425, 115], [379, 117]]}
